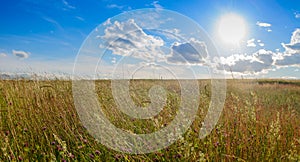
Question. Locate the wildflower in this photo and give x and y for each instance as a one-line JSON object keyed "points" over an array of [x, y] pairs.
{"points": [[59, 148], [216, 144], [97, 152], [71, 155], [202, 156], [12, 156], [25, 144], [62, 143], [159, 154], [118, 156], [92, 156], [53, 143], [275, 128], [177, 156], [44, 128], [85, 141], [20, 158]]}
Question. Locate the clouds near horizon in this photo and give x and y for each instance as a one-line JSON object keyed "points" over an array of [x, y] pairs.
{"points": [[20, 54], [263, 60]]}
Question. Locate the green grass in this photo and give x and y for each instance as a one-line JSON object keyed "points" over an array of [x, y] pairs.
{"points": [[260, 122]]}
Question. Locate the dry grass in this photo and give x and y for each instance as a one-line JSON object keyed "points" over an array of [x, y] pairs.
{"points": [[260, 122]]}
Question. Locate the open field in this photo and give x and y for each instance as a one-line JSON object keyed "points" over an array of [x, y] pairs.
{"points": [[260, 122]]}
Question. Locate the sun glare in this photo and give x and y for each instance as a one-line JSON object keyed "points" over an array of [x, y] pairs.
{"points": [[232, 28]]}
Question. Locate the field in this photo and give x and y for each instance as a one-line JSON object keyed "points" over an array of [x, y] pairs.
{"points": [[259, 122]]}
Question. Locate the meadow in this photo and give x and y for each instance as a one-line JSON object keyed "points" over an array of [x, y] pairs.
{"points": [[259, 122]]}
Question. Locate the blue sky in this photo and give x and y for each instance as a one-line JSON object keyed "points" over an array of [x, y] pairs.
{"points": [[45, 36]]}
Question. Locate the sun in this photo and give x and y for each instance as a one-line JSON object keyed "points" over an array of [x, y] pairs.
{"points": [[232, 28]]}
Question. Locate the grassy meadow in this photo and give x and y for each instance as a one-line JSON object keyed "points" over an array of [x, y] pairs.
{"points": [[260, 122]]}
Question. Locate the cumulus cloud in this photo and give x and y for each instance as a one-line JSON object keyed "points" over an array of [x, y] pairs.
{"points": [[260, 61], [263, 24], [106, 23], [192, 52], [264, 60], [294, 45], [128, 39], [20, 54], [295, 37], [289, 60], [291, 56], [251, 43]]}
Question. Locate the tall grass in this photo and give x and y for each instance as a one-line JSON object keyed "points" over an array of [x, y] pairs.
{"points": [[260, 122]]}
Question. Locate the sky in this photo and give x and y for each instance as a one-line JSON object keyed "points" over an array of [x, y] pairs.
{"points": [[151, 39]]}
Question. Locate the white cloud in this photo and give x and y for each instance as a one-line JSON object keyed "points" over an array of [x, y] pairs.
{"points": [[107, 22], [263, 24], [112, 6], [260, 61], [251, 43], [3, 54], [113, 60], [294, 45], [296, 37], [53, 22], [288, 77], [79, 18], [156, 5], [297, 15], [30, 67], [68, 5], [20, 54], [152, 19], [171, 34], [291, 56], [192, 52], [263, 60], [128, 39], [289, 60]]}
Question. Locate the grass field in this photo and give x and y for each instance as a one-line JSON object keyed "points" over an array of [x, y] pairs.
{"points": [[260, 122]]}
